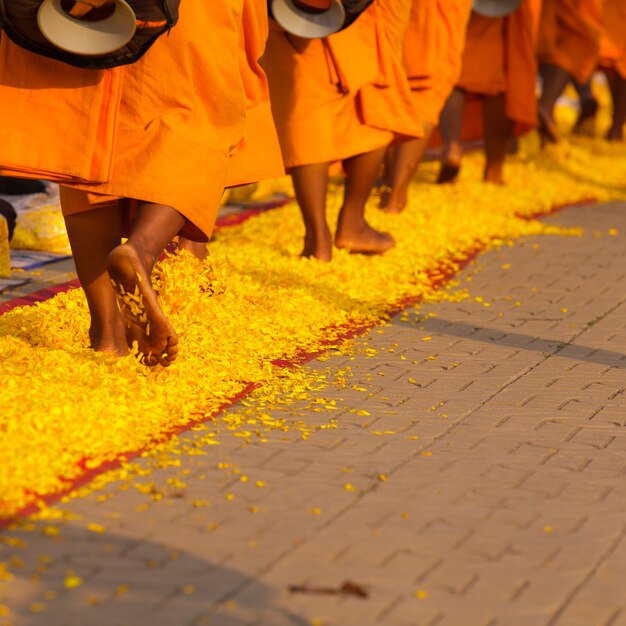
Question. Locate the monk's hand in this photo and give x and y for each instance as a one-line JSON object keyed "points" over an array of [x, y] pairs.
{"points": [[82, 7]]}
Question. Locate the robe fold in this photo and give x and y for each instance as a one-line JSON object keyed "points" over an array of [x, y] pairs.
{"points": [[569, 35], [433, 45], [499, 57], [613, 37], [340, 96], [257, 156], [162, 130]]}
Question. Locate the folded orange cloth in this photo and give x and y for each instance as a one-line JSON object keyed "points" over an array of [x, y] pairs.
{"points": [[162, 130], [569, 35], [337, 97], [613, 37], [432, 48], [499, 57]]}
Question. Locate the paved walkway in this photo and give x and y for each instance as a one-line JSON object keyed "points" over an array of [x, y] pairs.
{"points": [[479, 480]]}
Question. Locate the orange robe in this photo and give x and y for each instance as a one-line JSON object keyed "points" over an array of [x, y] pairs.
{"points": [[162, 130], [258, 154], [432, 49], [613, 37], [340, 96], [499, 57], [569, 35]]}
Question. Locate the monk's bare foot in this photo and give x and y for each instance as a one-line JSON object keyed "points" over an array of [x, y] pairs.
{"points": [[615, 134], [318, 245], [449, 172], [363, 240], [110, 340], [494, 180], [513, 146], [146, 324], [391, 200], [494, 174], [385, 194], [547, 127], [396, 205], [586, 122], [199, 250]]}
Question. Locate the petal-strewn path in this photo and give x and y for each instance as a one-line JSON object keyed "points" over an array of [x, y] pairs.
{"points": [[465, 467]]}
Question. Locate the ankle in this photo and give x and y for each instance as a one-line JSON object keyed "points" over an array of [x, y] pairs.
{"points": [[350, 220], [452, 156], [108, 335], [494, 175], [147, 259]]}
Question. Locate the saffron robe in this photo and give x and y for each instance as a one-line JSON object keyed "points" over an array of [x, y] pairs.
{"points": [[340, 96], [499, 57], [613, 37], [569, 36], [257, 156], [162, 130], [432, 50]]}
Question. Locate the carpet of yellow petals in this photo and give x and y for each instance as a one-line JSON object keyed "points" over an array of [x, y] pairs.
{"points": [[66, 409]]}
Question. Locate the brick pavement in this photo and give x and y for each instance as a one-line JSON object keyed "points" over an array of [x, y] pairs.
{"points": [[479, 480]]}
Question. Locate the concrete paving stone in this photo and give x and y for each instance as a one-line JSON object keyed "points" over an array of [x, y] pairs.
{"points": [[595, 437], [566, 460], [609, 468], [286, 462], [471, 617], [591, 493], [408, 613], [515, 520], [617, 619], [257, 604], [409, 565], [332, 612], [528, 592], [454, 579], [568, 561], [602, 588], [20, 596], [52, 551], [503, 464], [519, 420], [612, 415], [295, 525], [597, 615]]}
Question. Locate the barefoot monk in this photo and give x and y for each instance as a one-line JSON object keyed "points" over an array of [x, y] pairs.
{"points": [[498, 75], [432, 47], [141, 150], [257, 155], [339, 98], [569, 40], [613, 62]]}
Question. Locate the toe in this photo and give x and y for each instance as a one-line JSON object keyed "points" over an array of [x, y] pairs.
{"points": [[149, 359]]}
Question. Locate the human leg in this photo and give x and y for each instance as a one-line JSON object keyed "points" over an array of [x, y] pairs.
{"points": [[93, 233], [197, 248], [389, 165], [450, 125], [353, 231], [617, 85], [554, 80], [588, 108], [130, 267], [408, 156], [498, 134], [310, 184]]}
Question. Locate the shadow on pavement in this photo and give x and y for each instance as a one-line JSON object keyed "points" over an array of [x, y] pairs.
{"points": [[520, 341], [66, 575]]}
